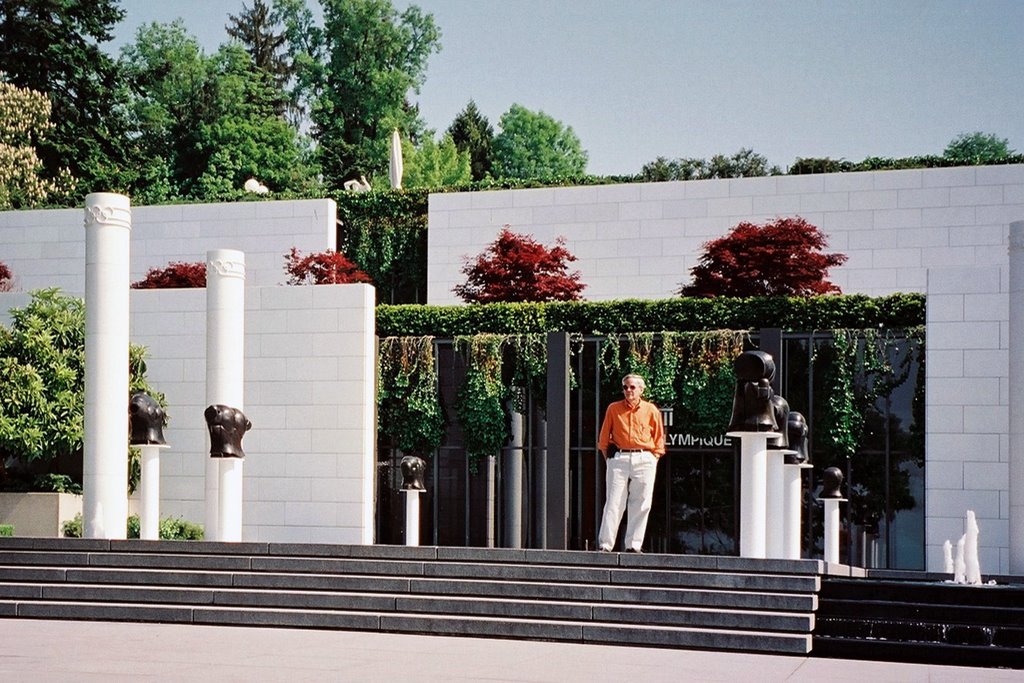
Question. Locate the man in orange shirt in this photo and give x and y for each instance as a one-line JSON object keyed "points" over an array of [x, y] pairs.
{"points": [[635, 429]]}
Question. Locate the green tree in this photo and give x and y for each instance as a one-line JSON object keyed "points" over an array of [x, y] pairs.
{"points": [[535, 145], [42, 389], [207, 124], [24, 119], [978, 148], [435, 164], [53, 47], [473, 134], [743, 164], [257, 29], [355, 73]]}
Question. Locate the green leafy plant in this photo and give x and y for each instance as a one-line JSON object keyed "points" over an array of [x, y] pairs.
{"points": [[42, 391], [410, 409], [6, 529], [171, 528], [480, 406]]}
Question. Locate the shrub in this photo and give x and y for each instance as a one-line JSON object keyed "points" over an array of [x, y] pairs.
{"points": [[780, 258], [322, 268], [176, 275], [6, 529], [518, 268], [6, 278], [171, 528]]}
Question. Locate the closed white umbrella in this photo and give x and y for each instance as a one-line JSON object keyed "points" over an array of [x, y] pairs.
{"points": [[395, 163]]}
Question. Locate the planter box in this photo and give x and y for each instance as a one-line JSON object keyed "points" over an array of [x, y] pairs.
{"points": [[38, 514]]}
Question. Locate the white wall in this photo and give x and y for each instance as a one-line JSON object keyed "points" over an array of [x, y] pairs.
{"points": [[309, 392], [640, 240], [47, 248], [309, 469], [943, 232]]}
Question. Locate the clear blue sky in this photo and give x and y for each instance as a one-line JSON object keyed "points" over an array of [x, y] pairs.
{"points": [[638, 79]]}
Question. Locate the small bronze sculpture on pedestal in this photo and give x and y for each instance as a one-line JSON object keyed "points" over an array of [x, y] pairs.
{"points": [[227, 426], [146, 419], [413, 469]]}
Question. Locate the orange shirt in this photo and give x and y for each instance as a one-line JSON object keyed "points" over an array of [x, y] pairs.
{"points": [[638, 427]]}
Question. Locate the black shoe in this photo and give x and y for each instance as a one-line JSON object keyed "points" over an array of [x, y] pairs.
{"points": [[635, 550]]}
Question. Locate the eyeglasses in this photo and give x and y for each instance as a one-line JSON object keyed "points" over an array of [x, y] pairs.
{"points": [[629, 386]]}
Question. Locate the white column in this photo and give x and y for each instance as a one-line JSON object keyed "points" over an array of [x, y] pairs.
{"points": [[1016, 387], [774, 504], [412, 516], [149, 495], [108, 225], [753, 491], [225, 364], [831, 539]]}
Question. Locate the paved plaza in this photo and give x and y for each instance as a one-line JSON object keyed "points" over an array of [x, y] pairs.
{"points": [[37, 651]]}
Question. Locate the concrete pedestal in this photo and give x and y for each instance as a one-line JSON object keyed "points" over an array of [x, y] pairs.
{"points": [[412, 516], [149, 494], [775, 504], [791, 510], [831, 537], [753, 491]]}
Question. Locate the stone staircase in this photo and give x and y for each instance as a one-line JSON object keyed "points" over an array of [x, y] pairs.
{"points": [[676, 601]]}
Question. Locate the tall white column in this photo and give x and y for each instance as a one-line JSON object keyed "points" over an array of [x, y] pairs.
{"points": [[108, 225], [1016, 386], [753, 491], [225, 364]]}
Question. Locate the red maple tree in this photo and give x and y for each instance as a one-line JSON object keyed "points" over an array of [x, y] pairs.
{"points": [[322, 268], [175, 275], [781, 258], [518, 268]]}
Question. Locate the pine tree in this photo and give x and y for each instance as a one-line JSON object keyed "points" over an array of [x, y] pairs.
{"points": [[472, 133]]}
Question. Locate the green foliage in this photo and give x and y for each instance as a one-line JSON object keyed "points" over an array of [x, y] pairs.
{"points": [[407, 396], [54, 48], [435, 164], [58, 483], [743, 164], [630, 315], [206, 124], [24, 121], [42, 389], [354, 74], [978, 148], [385, 234], [6, 530], [480, 406], [535, 145], [171, 528], [473, 134], [257, 30]]}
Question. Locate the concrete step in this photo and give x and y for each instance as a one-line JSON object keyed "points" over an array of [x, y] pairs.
{"points": [[654, 600]]}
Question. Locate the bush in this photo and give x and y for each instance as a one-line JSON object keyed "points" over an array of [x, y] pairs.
{"points": [[6, 278], [633, 315], [171, 528], [322, 268], [42, 393], [176, 275], [6, 529]]}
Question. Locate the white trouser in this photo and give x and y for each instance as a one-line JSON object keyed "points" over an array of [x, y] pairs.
{"points": [[629, 487]]}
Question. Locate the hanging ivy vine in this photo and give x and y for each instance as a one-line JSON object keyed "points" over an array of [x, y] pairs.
{"points": [[407, 394], [480, 405]]}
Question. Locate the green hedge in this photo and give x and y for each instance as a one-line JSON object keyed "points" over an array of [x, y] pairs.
{"points": [[680, 315]]}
